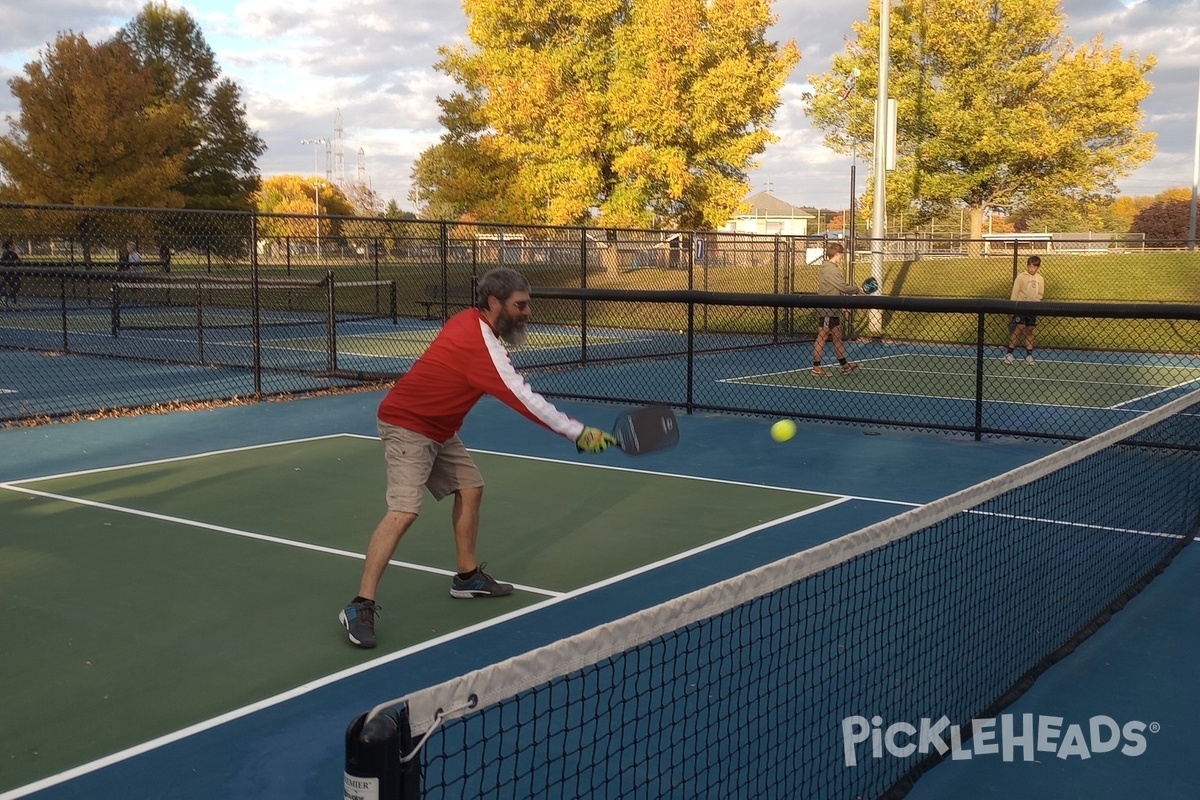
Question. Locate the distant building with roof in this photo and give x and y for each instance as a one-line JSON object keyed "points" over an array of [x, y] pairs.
{"points": [[763, 213]]}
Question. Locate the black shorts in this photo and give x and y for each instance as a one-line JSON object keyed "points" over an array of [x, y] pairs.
{"points": [[829, 322], [1028, 320]]}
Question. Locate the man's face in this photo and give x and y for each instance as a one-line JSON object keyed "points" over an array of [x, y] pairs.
{"points": [[514, 313]]}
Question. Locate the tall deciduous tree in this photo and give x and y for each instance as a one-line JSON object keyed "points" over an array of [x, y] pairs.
{"points": [[644, 111], [293, 204], [93, 131], [1166, 219], [996, 106], [222, 151]]}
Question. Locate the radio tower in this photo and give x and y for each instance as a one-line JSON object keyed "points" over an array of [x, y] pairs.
{"points": [[339, 158], [364, 197]]}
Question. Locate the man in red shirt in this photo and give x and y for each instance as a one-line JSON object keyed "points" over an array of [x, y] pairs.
{"points": [[419, 420]]}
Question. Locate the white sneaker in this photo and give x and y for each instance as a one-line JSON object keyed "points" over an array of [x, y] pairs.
{"points": [[1008, 359], [1028, 359]]}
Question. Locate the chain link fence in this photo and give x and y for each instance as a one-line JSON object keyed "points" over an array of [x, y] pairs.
{"points": [[220, 306]]}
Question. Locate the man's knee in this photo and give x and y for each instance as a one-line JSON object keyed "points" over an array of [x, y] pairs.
{"points": [[470, 494]]}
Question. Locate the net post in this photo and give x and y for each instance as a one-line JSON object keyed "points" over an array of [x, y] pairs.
{"points": [[115, 291], [375, 748], [394, 299], [62, 305], [200, 320]]}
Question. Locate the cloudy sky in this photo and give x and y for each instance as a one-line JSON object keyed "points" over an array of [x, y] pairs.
{"points": [[300, 62]]}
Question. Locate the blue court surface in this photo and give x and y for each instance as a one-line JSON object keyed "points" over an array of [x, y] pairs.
{"points": [[288, 742]]}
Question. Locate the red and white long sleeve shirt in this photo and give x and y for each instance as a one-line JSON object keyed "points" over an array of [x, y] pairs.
{"points": [[463, 363]]}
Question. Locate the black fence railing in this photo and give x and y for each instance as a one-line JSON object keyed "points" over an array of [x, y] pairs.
{"points": [[232, 306]]}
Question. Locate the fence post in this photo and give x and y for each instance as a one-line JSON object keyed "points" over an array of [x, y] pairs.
{"points": [[979, 344], [583, 328], [255, 312], [444, 248]]}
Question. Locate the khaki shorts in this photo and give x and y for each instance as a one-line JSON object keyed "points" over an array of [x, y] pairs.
{"points": [[416, 462]]}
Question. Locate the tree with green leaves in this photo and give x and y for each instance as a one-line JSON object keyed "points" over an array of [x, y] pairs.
{"points": [[643, 112], [997, 108], [221, 170], [93, 131], [461, 178], [392, 211]]}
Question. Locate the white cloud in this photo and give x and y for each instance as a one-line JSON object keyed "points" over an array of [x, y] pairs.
{"points": [[301, 61]]}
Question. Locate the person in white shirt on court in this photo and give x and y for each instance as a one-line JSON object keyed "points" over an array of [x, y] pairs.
{"points": [[1029, 286]]}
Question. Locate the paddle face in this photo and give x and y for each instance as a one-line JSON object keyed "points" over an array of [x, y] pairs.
{"points": [[646, 430], [870, 286]]}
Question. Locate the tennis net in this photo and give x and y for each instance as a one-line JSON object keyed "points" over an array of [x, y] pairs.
{"points": [[203, 303], [771, 684]]}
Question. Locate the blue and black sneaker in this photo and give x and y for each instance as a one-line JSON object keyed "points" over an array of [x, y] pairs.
{"points": [[479, 584], [359, 620]]}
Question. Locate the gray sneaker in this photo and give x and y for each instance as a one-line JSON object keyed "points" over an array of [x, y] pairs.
{"points": [[359, 620], [1028, 359], [479, 584]]}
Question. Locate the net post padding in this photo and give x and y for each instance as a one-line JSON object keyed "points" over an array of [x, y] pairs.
{"points": [[375, 763], [430, 707]]}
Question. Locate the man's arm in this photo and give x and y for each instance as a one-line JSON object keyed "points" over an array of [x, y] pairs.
{"points": [[832, 282], [494, 374]]}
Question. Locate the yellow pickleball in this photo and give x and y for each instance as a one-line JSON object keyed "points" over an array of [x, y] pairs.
{"points": [[783, 430]]}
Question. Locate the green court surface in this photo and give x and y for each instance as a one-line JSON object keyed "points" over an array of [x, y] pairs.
{"points": [[158, 596], [1054, 380]]}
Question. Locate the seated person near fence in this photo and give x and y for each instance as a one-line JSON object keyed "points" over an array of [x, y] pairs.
{"points": [[10, 281], [133, 257]]}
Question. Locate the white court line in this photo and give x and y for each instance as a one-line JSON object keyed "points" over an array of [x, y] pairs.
{"points": [[367, 437], [1092, 526], [262, 537], [152, 462], [1017, 376]]}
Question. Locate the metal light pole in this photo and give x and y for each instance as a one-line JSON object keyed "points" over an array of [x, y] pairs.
{"points": [[878, 215], [1195, 182], [318, 142]]}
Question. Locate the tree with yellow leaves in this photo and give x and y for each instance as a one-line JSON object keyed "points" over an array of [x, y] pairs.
{"points": [[641, 112], [296, 205], [997, 108], [92, 130]]}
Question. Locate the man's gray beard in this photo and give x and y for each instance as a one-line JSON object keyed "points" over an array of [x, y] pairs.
{"points": [[513, 333]]}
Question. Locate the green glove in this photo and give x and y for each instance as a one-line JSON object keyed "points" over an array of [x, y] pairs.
{"points": [[594, 440]]}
